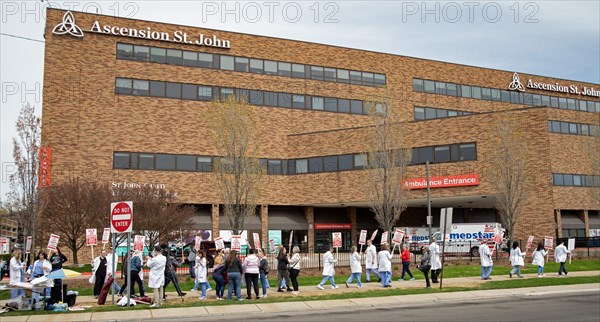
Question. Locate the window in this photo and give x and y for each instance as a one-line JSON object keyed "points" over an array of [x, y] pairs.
{"points": [[331, 104], [424, 154], [557, 179], [345, 162], [205, 93], [241, 64], [356, 107], [317, 72], [242, 94], [120, 160], [298, 101], [124, 51], [190, 58], [568, 179], [227, 63], [571, 104], [285, 69], [451, 89], [465, 91], [205, 60], [165, 161], [297, 71], [174, 56], [274, 167], [330, 74], [486, 93], [359, 161], [429, 86], [419, 113], [186, 163], [330, 164], [454, 152], [495, 95], [205, 164], [157, 89], [189, 92], [256, 66], [255, 98], [146, 161], [285, 100], [367, 78], [141, 53], [318, 103], [270, 67], [545, 100], [355, 77], [270, 98], [476, 92], [158, 55], [173, 90], [442, 153], [441, 114], [301, 166], [123, 86], [418, 85], [315, 165], [141, 87], [440, 88], [468, 152], [379, 78], [226, 92], [430, 113], [343, 76], [343, 106]]}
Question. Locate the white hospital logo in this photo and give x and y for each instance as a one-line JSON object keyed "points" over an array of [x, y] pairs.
{"points": [[68, 26], [516, 85]]}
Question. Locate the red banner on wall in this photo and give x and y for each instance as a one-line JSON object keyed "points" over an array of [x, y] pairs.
{"points": [[471, 179], [332, 226], [44, 171]]}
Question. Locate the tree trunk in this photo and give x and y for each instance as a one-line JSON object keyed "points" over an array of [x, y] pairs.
{"points": [[74, 250]]}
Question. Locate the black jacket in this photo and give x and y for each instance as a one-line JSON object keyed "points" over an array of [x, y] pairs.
{"points": [[236, 266], [282, 261]]}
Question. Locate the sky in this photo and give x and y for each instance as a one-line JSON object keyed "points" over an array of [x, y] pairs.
{"points": [[551, 38]]}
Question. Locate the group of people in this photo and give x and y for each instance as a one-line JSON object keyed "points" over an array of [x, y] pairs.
{"points": [[42, 266], [517, 259]]}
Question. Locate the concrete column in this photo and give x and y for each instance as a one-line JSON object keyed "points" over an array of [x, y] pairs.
{"points": [[214, 212], [309, 213], [586, 221], [558, 224], [351, 212], [264, 223]]}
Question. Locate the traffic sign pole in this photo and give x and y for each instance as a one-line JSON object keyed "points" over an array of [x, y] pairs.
{"points": [[114, 263]]}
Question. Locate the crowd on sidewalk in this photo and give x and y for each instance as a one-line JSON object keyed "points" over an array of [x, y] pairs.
{"points": [[228, 269]]}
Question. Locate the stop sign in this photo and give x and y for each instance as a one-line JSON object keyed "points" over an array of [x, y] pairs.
{"points": [[121, 216]]}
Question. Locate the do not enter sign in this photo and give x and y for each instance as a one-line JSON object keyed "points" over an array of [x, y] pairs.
{"points": [[121, 217]]}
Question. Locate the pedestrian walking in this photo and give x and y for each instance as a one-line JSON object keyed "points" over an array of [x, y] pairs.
{"points": [[371, 261], [405, 257], [295, 268], [560, 256], [16, 267], [136, 266], [234, 274], [385, 265], [328, 269], [436, 264], [485, 256], [425, 266], [264, 273], [355, 268], [200, 273], [516, 260], [282, 269], [251, 272], [192, 264], [539, 259], [171, 272], [99, 273], [156, 279]]}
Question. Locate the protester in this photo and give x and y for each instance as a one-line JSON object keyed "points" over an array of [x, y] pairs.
{"points": [[136, 266], [156, 279], [234, 273], [282, 269], [218, 274], [539, 258], [405, 257], [57, 259], [99, 273], [295, 268], [328, 269], [371, 261], [192, 264], [264, 272], [111, 264], [560, 256], [436, 264], [516, 260], [426, 265], [355, 268], [41, 267], [16, 274], [251, 271], [385, 265], [200, 274], [171, 271], [485, 256]]}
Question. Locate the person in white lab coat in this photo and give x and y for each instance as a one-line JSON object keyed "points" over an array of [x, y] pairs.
{"points": [[328, 269], [485, 254], [201, 272], [371, 261], [560, 256], [385, 265], [355, 268], [156, 278], [539, 259], [516, 260], [16, 274], [436, 264]]}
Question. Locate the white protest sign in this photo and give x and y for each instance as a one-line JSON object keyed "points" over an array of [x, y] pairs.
{"points": [[571, 244], [28, 245], [219, 243], [398, 236], [138, 242], [548, 242], [271, 246], [337, 240], [197, 242], [91, 237], [374, 234], [106, 235], [53, 242], [384, 237], [529, 242], [256, 238], [236, 242], [363, 237]]}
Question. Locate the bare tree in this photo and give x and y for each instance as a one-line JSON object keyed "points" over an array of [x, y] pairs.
{"points": [[23, 197], [387, 157], [508, 162], [156, 212], [238, 170], [74, 206]]}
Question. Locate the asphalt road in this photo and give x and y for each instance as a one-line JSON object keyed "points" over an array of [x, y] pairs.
{"points": [[554, 307]]}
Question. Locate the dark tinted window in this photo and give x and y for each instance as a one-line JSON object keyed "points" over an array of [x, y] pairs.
{"points": [[158, 55], [315, 165], [157, 89], [189, 92], [345, 162], [146, 161], [174, 56], [186, 163], [468, 152], [120, 160], [330, 164], [165, 161], [173, 90]]}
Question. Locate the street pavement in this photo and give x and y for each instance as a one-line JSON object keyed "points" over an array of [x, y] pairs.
{"points": [[251, 307]]}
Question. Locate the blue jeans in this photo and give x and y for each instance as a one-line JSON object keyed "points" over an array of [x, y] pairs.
{"points": [[486, 271], [192, 270], [516, 269], [235, 278], [203, 287], [386, 278], [374, 271], [328, 278], [220, 287], [352, 277], [540, 269], [406, 269], [264, 282]]}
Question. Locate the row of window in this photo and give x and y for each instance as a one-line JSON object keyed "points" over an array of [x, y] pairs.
{"points": [[139, 87], [572, 128], [331, 163], [498, 95], [575, 180], [247, 65], [429, 113]]}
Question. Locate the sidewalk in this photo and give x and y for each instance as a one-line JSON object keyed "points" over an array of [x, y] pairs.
{"points": [[255, 306]]}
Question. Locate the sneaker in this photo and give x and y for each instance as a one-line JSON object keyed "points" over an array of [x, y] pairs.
{"points": [[289, 290], [539, 275], [202, 298], [359, 286], [209, 289], [412, 279], [280, 290], [320, 287], [294, 292], [334, 287], [510, 275], [257, 298], [347, 285], [264, 296], [248, 297], [155, 305], [182, 294], [427, 286], [520, 276], [193, 290], [400, 280], [220, 299]]}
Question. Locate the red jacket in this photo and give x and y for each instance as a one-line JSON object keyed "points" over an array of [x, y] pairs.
{"points": [[405, 255]]}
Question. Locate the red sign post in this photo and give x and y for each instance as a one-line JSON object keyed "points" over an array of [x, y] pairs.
{"points": [[121, 216]]}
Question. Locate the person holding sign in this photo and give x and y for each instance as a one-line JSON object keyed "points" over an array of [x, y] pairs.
{"points": [[516, 260], [485, 255], [16, 274], [405, 257], [136, 266], [282, 269], [263, 269], [156, 279], [371, 261], [355, 267], [436, 264], [295, 268], [234, 274], [385, 265], [99, 273], [328, 269], [201, 272], [560, 256], [539, 257], [56, 260]]}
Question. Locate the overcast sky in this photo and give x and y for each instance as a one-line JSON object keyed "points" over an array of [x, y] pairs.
{"points": [[551, 38]]}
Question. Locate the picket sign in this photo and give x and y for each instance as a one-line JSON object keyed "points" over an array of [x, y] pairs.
{"points": [[570, 247], [236, 242], [290, 244], [271, 246], [198, 242], [256, 238], [53, 242], [529, 242], [219, 243], [548, 243], [105, 237], [91, 238], [384, 237], [362, 240]]}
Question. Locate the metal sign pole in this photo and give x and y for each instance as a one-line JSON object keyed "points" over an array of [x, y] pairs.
{"points": [[113, 249], [128, 268], [443, 247], [429, 219]]}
